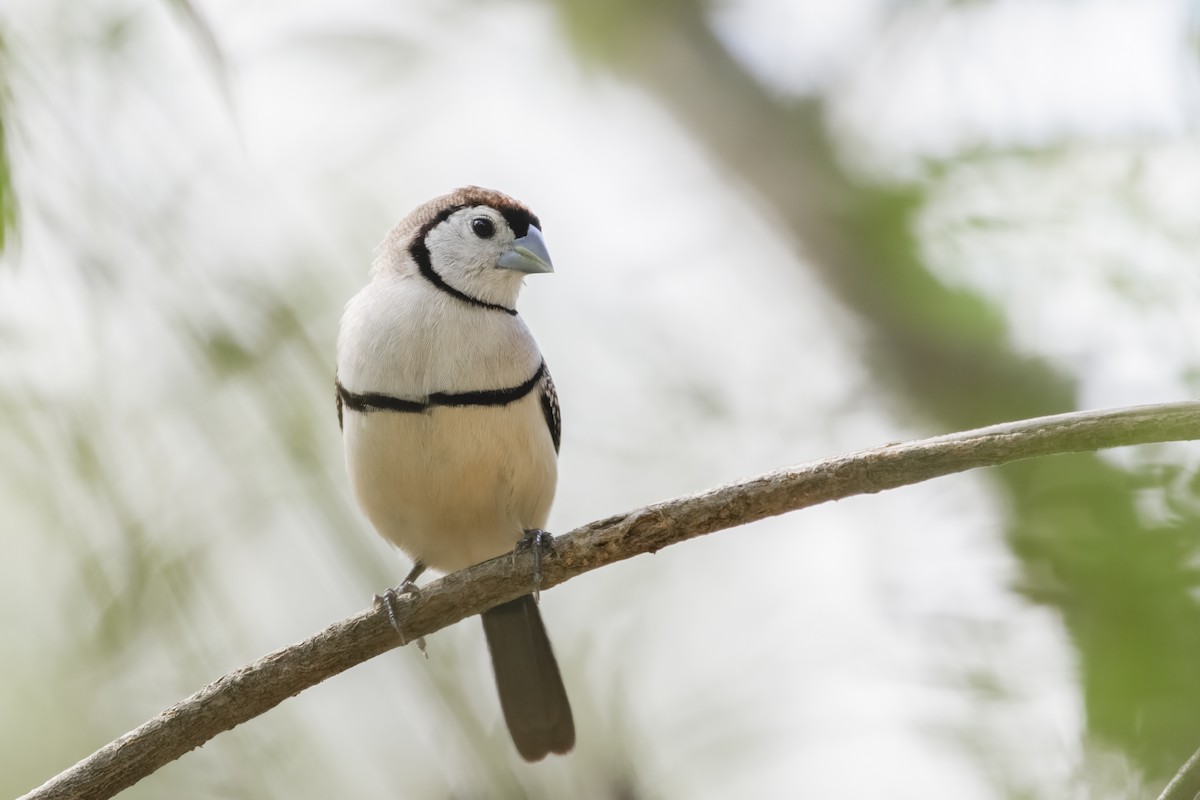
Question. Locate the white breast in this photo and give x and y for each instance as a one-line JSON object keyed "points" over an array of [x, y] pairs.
{"points": [[403, 337], [451, 486]]}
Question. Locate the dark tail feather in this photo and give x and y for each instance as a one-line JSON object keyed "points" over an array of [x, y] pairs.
{"points": [[532, 695]]}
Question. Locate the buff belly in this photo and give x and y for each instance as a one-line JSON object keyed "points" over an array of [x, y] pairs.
{"points": [[453, 486]]}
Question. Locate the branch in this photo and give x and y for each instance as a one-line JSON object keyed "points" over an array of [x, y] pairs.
{"points": [[1186, 783], [255, 688]]}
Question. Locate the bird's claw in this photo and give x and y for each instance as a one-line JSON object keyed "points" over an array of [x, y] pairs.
{"points": [[388, 601], [538, 541]]}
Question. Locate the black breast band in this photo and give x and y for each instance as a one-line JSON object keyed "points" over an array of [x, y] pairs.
{"points": [[373, 401]]}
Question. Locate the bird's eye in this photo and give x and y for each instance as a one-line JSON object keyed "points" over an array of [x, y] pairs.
{"points": [[484, 228]]}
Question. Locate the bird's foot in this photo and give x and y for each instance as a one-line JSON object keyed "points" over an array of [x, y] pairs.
{"points": [[388, 600], [539, 542]]}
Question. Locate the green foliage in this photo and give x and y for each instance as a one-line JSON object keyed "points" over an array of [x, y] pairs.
{"points": [[160, 520], [8, 197], [1123, 583]]}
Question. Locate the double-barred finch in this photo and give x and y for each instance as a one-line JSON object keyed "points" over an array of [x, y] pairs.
{"points": [[451, 423]]}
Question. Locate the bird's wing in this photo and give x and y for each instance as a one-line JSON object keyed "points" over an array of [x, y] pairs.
{"points": [[549, 398]]}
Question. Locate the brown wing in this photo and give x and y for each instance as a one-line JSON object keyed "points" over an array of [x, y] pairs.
{"points": [[549, 398]]}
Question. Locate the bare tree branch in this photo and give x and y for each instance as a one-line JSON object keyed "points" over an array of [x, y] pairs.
{"points": [[250, 691], [1186, 783]]}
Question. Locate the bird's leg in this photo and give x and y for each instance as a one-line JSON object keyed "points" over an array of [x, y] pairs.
{"points": [[538, 541], [409, 584], [389, 598]]}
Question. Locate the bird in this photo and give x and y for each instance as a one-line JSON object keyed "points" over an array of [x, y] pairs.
{"points": [[451, 424]]}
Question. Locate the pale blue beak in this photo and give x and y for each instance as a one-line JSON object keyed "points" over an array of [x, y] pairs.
{"points": [[528, 254]]}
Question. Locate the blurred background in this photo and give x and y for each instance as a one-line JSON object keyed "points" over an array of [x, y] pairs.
{"points": [[783, 230]]}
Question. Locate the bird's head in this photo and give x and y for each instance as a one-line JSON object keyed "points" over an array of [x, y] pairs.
{"points": [[475, 243]]}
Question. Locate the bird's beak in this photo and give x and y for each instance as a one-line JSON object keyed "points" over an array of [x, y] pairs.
{"points": [[528, 254]]}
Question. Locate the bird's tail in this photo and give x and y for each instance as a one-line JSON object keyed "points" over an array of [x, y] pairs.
{"points": [[531, 690]]}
